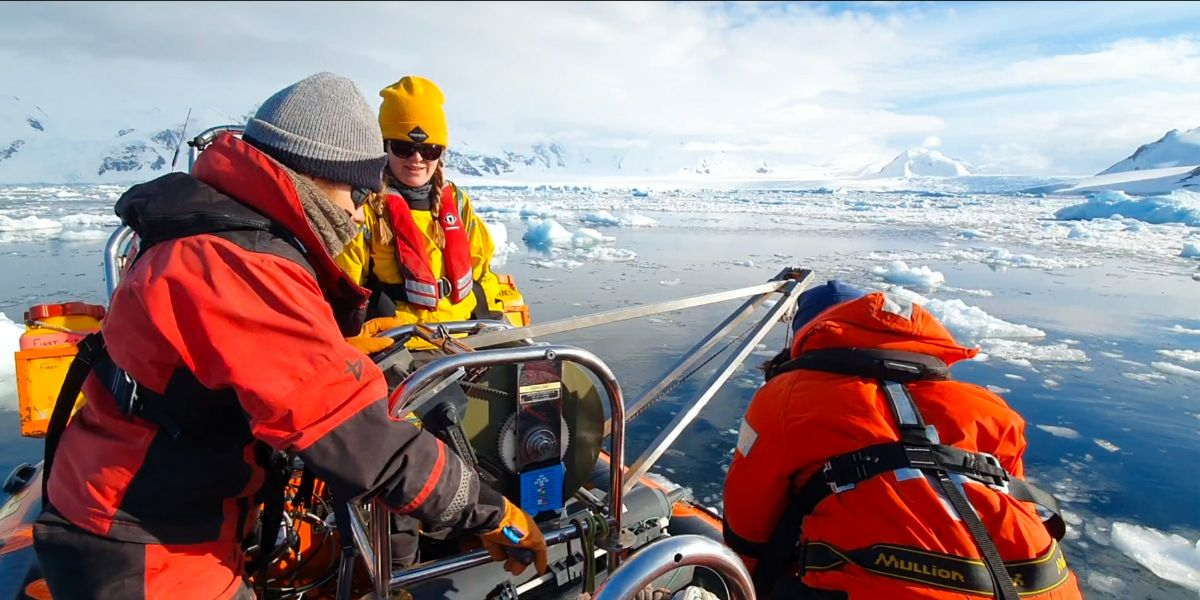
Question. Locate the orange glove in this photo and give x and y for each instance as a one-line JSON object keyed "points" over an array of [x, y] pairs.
{"points": [[367, 343], [516, 531]]}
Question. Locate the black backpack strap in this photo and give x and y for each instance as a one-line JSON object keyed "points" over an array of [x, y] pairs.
{"points": [[278, 473], [869, 363], [304, 491], [91, 350], [771, 367], [134, 400], [783, 546], [483, 310], [345, 579], [1026, 492]]}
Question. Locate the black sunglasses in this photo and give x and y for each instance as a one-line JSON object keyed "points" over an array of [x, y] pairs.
{"points": [[404, 149], [359, 196]]}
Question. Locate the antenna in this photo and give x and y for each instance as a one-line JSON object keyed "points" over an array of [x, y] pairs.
{"points": [[182, 131]]}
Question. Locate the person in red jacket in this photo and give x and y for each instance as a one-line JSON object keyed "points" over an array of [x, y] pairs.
{"points": [[226, 343], [862, 471]]}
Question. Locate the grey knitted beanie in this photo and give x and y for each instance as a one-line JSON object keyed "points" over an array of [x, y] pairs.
{"points": [[323, 127]]}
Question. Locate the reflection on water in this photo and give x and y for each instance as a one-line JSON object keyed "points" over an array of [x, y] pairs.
{"points": [[1133, 459]]}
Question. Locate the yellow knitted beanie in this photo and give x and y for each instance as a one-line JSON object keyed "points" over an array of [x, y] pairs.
{"points": [[412, 110]]}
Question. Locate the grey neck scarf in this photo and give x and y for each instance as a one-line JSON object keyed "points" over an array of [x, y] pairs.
{"points": [[418, 198], [332, 224]]}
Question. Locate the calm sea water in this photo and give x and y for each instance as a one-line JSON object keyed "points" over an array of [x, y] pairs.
{"points": [[1131, 458]]}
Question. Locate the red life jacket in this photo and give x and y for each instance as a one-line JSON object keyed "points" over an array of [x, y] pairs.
{"points": [[420, 286]]}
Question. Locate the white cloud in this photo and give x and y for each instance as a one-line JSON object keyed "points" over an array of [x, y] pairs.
{"points": [[1124, 61], [994, 84]]}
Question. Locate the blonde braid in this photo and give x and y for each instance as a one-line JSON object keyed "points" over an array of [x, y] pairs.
{"points": [[435, 204]]}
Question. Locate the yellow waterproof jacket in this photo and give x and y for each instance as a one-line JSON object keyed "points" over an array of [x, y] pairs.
{"points": [[367, 256]]}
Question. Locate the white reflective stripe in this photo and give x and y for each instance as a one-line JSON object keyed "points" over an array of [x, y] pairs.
{"points": [[907, 474], [746, 438], [421, 288], [960, 482], [902, 403], [462, 288], [941, 496], [898, 306], [418, 297]]}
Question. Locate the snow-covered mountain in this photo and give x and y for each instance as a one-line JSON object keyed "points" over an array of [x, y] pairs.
{"points": [[923, 162], [1156, 168], [1191, 180], [39, 147], [1145, 182], [132, 145], [551, 160], [1175, 149]]}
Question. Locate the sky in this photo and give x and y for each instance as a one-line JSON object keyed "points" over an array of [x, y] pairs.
{"points": [[1012, 88]]}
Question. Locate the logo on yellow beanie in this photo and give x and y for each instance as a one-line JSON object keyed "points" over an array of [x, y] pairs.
{"points": [[411, 106]]}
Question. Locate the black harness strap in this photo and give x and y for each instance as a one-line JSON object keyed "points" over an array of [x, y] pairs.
{"points": [[91, 349], [135, 400], [1026, 492], [304, 491], [784, 545], [345, 579], [871, 363], [921, 444], [1004, 587], [483, 310], [278, 472], [843, 472]]}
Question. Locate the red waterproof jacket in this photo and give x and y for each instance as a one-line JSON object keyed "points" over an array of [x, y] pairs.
{"points": [[239, 333], [802, 418]]}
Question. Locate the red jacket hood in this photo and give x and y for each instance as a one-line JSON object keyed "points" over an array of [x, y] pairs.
{"points": [[880, 321], [240, 170]]}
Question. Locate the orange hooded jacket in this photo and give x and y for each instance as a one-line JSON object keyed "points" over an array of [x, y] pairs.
{"points": [[800, 419]]}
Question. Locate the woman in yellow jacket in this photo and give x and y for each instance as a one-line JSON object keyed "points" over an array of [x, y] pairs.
{"points": [[424, 253]]}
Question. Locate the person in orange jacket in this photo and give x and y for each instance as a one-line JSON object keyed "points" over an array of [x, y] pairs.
{"points": [[234, 336], [862, 471]]}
